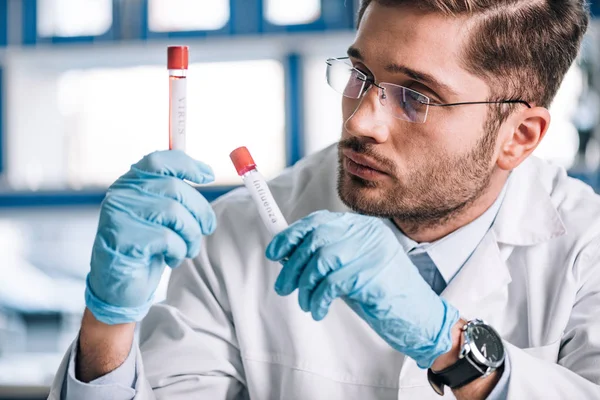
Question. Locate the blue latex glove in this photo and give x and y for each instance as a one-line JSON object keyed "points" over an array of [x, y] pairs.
{"points": [[149, 217], [359, 258]]}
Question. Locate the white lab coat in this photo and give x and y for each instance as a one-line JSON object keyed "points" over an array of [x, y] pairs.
{"points": [[225, 334]]}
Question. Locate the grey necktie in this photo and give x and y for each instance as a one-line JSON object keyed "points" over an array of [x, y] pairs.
{"points": [[429, 271]]}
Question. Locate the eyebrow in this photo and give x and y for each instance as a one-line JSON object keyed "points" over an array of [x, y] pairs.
{"points": [[418, 76]]}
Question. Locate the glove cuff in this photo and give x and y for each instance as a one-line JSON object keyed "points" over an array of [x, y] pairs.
{"points": [[443, 341], [112, 315]]}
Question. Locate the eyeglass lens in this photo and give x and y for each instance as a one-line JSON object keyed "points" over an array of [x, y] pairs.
{"points": [[403, 103]]}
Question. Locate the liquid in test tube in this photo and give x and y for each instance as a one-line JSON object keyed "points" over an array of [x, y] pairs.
{"points": [[263, 199], [177, 64]]}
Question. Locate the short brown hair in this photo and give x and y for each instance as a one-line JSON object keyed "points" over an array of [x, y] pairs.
{"points": [[522, 48]]}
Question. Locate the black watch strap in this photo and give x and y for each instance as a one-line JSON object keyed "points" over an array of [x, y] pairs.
{"points": [[458, 374]]}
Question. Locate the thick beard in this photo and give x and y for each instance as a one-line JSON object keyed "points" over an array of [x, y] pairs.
{"points": [[434, 194]]}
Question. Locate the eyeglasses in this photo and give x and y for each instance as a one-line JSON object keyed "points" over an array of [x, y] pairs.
{"points": [[403, 103]]}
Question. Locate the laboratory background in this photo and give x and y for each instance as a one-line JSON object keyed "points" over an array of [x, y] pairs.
{"points": [[84, 94]]}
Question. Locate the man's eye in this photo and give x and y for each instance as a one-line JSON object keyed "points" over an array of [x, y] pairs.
{"points": [[425, 91], [362, 69]]}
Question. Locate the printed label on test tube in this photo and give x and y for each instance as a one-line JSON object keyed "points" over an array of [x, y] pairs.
{"points": [[178, 107], [253, 180], [177, 63]]}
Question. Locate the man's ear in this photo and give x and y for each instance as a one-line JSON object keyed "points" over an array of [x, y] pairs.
{"points": [[528, 129]]}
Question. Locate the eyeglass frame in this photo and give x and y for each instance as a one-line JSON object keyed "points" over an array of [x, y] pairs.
{"points": [[370, 81]]}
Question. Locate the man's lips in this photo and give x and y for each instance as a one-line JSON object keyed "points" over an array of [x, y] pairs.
{"points": [[364, 161]]}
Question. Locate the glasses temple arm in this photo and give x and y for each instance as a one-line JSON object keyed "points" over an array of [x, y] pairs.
{"points": [[479, 102]]}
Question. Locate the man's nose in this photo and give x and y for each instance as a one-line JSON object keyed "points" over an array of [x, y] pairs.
{"points": [[370, 119]]}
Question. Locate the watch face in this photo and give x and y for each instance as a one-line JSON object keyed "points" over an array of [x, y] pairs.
{"points": [[487, 343]]}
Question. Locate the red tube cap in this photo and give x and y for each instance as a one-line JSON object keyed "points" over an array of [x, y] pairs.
{"points": [[177, 57], [242, 160]]}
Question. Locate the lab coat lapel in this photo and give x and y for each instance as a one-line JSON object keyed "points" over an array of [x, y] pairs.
{"points": [[483, 275]]}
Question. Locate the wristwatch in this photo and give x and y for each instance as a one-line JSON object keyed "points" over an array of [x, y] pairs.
{"points": [[481, 354]]}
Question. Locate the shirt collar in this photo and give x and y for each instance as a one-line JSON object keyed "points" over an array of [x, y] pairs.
{"points": [[451, 252]]}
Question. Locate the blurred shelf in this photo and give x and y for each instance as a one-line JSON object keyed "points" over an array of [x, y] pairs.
{"points": [[23, 392], [79, 198], [50, 198], [589, 177]]}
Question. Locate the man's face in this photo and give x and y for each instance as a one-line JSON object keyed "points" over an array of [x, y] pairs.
{"points": [[422, 172]]}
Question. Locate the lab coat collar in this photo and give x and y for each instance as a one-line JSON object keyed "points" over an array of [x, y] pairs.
{"points": [[527, 215]]}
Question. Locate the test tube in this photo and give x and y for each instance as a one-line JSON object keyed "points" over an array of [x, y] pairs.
{"points": [[177, 64], [263, 199]]}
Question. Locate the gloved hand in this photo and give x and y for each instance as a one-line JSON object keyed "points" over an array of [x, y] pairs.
{"points": [[149, 217], [358, 258]]}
